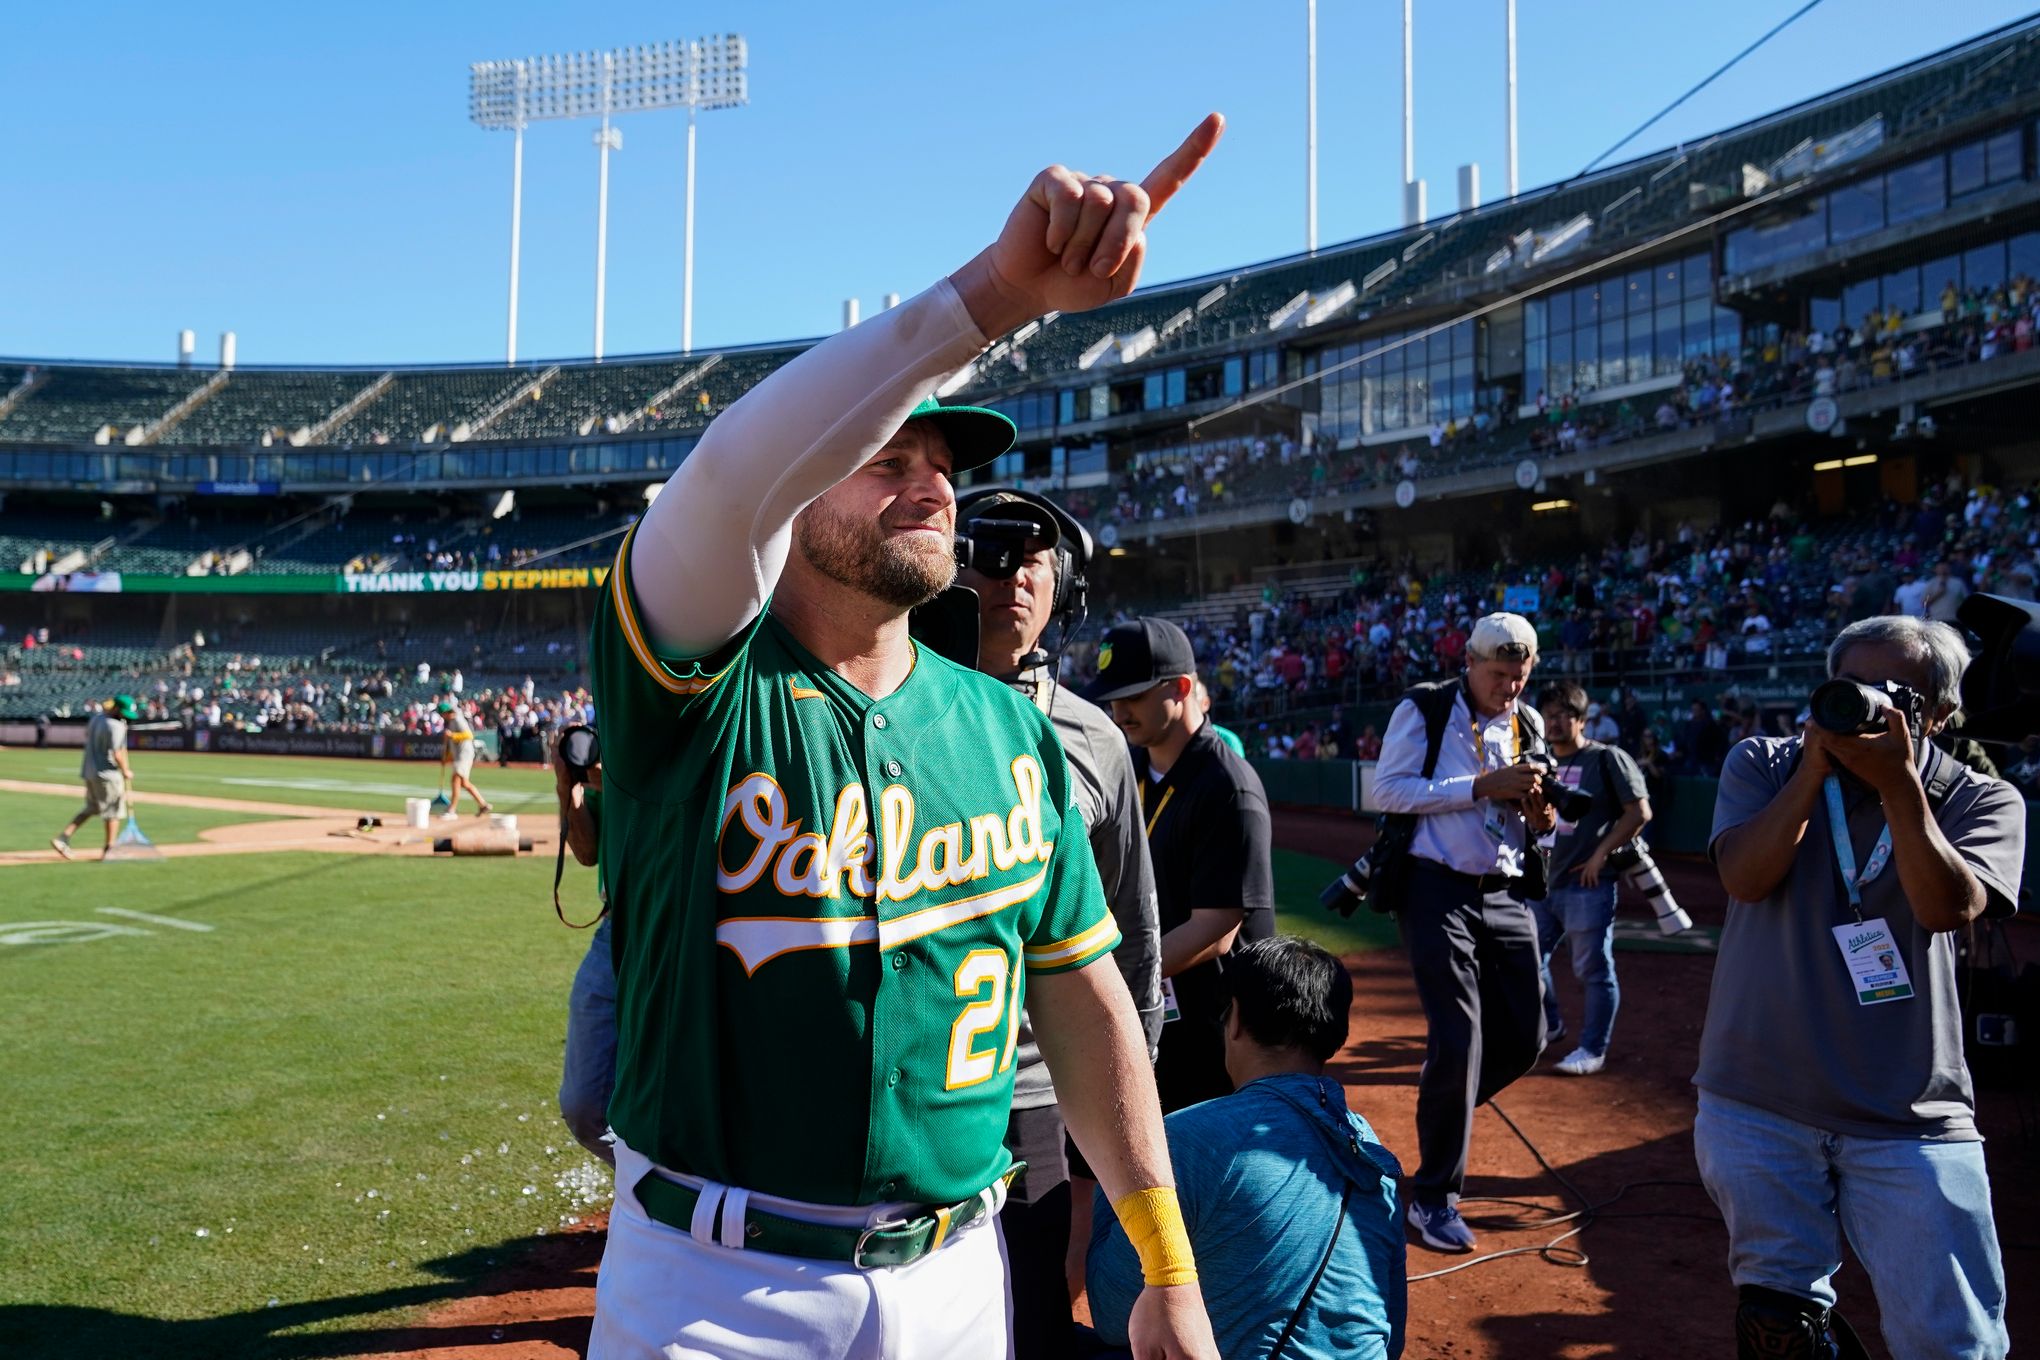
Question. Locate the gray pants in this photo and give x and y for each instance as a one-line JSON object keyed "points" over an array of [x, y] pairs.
{"points": [[589, 1071], [1476, 964]]}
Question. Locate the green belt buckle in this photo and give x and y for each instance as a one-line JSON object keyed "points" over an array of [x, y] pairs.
{"points": [[918, 1237], [902, 1250]]}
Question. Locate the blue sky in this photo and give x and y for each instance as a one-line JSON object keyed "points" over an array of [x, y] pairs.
{"points": [[306, 175]]}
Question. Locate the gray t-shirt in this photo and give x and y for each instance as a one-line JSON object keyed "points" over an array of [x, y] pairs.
{"points": [[104, 735], [1608, 776], [1784, 1031], [1101, 775]]}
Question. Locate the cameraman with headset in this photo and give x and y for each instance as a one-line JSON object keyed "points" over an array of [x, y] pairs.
{"points": [[1027, 562], [1834, 1099], [1461, 757]]}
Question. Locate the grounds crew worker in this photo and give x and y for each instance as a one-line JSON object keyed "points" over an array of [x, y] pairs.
{"points": [[1208, 834], [106, 773], [1471, 940], [1014, 614], [839, 864], [459, 751]]}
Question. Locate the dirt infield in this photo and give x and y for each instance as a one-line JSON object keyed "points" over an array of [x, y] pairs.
{"points": [[1655, 1283], [328, 829]]}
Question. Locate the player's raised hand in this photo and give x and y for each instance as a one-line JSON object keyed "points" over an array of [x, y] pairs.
{"points": [[1075, 241]]}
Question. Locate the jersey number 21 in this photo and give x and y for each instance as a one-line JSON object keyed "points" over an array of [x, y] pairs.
{"points": [[983, 971]]}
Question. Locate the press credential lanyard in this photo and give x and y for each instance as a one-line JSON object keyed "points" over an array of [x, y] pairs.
{"points": [[1872, 958], [1845, 853]]}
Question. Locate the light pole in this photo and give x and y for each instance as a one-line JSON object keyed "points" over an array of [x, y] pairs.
{"points": [[1310, 127], [705, 73], [1512, 96]]}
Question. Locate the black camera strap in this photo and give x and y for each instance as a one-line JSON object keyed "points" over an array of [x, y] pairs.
{"points": [[578, 748]]}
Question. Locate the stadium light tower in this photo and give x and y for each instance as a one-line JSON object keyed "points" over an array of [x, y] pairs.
{"points": [[705, 73]]}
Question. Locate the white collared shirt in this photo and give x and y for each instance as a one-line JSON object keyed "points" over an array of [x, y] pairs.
{"points": [[1452, 824]]}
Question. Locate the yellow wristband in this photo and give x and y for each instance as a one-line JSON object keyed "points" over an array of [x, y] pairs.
{"points": [[1154, 1225]]}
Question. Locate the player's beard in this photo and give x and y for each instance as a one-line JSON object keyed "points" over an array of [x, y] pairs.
{"points": [[902, 570]]}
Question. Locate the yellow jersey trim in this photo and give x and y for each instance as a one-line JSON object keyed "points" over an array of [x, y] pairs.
{"points": [[634, 635], [1097, 940]]}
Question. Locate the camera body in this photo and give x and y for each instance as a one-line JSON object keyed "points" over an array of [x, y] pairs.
{"points": [[994, 547], [1849, 708], [579, 750], [1570, 804]]}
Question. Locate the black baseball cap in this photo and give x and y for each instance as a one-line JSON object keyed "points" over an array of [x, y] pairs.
{"points": [[1138, 656]]}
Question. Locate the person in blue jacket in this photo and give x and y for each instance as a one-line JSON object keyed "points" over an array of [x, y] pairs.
{"points": [[1289, 1197]]}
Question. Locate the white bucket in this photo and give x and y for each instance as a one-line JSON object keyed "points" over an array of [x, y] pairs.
{"points": [[418, 813], [504, 821]]}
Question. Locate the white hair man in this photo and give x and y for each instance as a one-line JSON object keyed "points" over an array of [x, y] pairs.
{"points": [[1834, 1100], [1454, 759]]}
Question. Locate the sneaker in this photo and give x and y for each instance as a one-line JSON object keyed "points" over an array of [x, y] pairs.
{"points": [[1441, 1227], [62, 847], [485, 809], [1554, 1037], [449, 816], [1580, 1063]]}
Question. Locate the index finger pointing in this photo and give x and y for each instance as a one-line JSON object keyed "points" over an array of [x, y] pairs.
{"points": [[1176, 168]]}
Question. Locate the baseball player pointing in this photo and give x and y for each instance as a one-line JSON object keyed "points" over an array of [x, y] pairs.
{"points": [[839, 865]]}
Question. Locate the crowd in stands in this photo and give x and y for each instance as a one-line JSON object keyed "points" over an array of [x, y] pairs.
{"points": [[200, 684], [1708, 604], [1773, 368]]}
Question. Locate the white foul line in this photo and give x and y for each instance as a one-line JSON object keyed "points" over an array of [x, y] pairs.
{"points": [[154, 920]]}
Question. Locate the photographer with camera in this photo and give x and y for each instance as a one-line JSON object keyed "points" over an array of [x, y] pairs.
{"points": [[1580, 908], [1834, 1100], [588, 1070], [1464, 759]]}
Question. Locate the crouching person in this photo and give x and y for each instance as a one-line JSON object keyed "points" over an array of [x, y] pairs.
{"points": [[1289, 1198]]}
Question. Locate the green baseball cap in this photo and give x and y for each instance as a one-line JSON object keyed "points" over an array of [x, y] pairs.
{"points": [[975, 434], [124, 705]]}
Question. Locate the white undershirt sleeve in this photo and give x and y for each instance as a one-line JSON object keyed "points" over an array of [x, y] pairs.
{"points": [[709, 550]]}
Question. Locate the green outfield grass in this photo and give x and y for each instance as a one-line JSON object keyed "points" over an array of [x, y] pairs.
{"points": [[339, 1097]]}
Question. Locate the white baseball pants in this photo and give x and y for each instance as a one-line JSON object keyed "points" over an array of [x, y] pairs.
{"points": [[686, 1296]]}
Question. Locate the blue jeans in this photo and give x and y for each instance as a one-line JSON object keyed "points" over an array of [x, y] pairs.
{"points": [[589, 1071], [1585, 917], [1916, 1213]]}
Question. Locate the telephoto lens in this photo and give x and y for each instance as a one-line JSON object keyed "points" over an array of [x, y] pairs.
{"points": [[1845, 707], [1343, 893], [1650, 881]]}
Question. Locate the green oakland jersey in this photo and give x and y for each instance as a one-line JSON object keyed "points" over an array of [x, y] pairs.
{"points": [[826, 909]]}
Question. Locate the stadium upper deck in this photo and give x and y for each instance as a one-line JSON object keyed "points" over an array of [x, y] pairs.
{"points": [[1914, 162]]}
